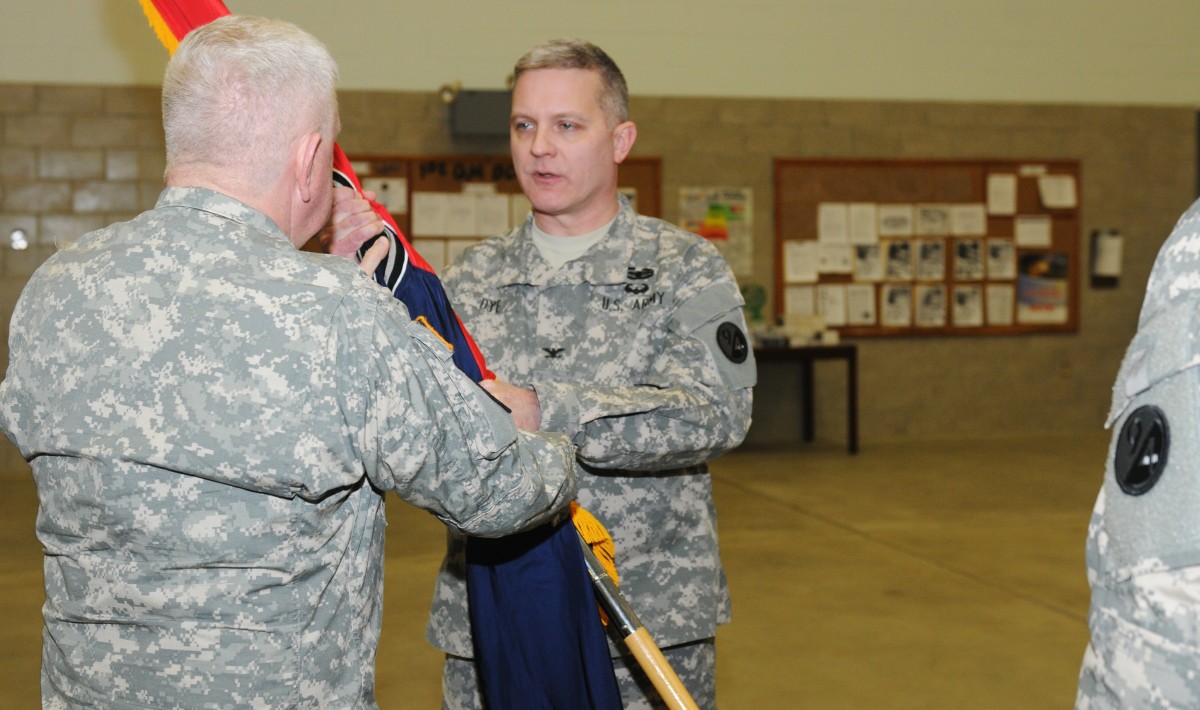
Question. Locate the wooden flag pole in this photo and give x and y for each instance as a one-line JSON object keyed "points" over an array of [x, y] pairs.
{"points": [[636, 637]]}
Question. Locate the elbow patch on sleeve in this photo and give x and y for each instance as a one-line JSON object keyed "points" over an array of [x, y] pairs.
{"points": [[712, 317]]}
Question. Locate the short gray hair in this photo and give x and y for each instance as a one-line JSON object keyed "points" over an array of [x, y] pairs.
{"points": [[240, 89], [581, 54]]}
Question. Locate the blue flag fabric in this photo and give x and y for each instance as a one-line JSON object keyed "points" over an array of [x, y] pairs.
{"points": [[421, 292], [525, 592], [537, 635], [412, 280]]}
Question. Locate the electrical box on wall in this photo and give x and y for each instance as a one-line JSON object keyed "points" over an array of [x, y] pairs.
{"points": [[480, 114], [1107, 247]]}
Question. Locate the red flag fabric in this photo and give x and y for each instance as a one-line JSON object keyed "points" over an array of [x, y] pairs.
{"points": [[173, 20]]}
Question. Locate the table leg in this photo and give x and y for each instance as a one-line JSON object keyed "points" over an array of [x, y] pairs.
{"points": [[852, 400], [806, 399]]}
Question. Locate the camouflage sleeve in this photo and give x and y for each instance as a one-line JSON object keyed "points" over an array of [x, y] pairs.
{"points": [[440, 442], [695, 401]]}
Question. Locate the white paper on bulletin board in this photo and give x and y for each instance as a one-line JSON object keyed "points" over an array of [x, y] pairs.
{"points": [[799, 261], [860, 304], [931, 305], [864, 223], [799, 300], [392, 193], [868, 262], [967, 307], [1002, 193], [831, 304], [833, 223], [1057, 191], [443, 214], [1000, 300], [968, 220], [835, 258], [1001, 259], [1032, 231], [895, 220], [895, 303], [491, 214]]}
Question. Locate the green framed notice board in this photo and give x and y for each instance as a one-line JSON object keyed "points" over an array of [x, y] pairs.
{"points": [[928, 247]]}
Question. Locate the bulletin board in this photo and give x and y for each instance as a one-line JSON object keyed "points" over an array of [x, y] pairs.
{"points": [[445, 203], [928, 247]]}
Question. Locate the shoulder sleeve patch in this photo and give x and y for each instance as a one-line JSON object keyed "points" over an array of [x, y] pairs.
{"points": [[1141, 450], [713, 318], [732, 342], [726, 339]]}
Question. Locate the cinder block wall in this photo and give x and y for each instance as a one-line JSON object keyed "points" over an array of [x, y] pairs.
{"points": [[73, 158]]}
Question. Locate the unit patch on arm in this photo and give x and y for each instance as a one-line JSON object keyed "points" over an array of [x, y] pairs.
{"points": [[732, 342], [1141, 450]]}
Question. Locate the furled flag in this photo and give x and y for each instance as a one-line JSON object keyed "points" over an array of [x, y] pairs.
{"points": [[538, 638]]}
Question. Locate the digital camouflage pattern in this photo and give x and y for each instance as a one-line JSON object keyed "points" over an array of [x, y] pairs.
{"points": [[637, 351], [1143, 549], [211, 417]]}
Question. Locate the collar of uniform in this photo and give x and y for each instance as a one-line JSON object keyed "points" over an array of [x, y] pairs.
{"points": [[200, 198], [607, 262]]}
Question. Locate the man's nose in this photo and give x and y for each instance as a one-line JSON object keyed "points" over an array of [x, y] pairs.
{"points": [[542, 143]]}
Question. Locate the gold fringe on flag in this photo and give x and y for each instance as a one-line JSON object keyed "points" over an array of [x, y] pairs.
{"points": [[597, 537]]}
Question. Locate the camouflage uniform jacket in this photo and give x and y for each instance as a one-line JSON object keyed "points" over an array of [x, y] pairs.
{"points": [[1143, 546], [211, 416], [622, 346]]}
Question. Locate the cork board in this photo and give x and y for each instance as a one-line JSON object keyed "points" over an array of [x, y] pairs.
{"points": [[928, 247]]}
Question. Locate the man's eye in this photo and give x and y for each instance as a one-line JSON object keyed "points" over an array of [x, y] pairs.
{"points": [[567, 126], [522, 125]]}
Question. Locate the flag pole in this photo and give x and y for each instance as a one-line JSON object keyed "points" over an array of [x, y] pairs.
{"points": [[635, 635]]}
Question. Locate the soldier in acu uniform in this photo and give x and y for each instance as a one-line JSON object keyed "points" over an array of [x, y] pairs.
{"points": [[1143, 548], [211, 414], [626, 334]]}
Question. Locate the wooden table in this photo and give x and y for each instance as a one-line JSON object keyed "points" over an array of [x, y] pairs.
{"points": [[805, 357]]}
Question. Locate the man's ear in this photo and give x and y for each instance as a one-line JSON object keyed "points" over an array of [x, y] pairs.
{"points": [[306, 163], [623, 137]]}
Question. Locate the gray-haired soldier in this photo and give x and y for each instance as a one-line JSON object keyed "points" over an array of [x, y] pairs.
{"points": [[211, 414], [625, 333], [1143, 549]]}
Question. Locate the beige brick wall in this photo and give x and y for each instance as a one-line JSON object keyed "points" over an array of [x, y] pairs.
{"points": [[75, 158]]}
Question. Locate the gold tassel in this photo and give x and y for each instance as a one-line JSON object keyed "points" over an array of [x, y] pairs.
{"points": [[596, 536]]}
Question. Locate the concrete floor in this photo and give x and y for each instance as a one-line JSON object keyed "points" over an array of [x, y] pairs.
{"points": [[917, 575]]}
